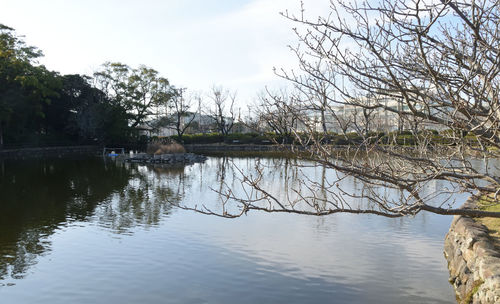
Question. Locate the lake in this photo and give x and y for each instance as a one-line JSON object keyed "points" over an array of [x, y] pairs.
{"points": [[86, 230]]}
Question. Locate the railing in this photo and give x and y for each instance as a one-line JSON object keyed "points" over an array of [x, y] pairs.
{"points": [[44, 144]]}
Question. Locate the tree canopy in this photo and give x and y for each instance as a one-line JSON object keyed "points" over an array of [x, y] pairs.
{"points": [[39, 106], [140, 91], [25, 87]]}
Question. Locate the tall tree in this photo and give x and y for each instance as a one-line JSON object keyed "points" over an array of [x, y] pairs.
{"points": [[141, 91], [429, 63], [25, 87], [275, 111], [182, 115], [87, 113], [222, 111]]}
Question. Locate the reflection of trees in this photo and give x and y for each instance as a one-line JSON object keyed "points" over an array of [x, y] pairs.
{"points": [[37, 196], [145, 200]]}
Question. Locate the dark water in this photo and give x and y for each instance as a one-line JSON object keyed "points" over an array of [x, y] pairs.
{"points": [[89, 231]]}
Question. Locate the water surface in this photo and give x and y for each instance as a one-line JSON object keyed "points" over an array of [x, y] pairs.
{"points": [[94, 231]]}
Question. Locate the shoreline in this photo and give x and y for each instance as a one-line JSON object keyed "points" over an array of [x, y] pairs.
{"points": [[473, 259]]}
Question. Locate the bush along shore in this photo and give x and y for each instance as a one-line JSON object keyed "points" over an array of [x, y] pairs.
{"points": [[400, 138]]}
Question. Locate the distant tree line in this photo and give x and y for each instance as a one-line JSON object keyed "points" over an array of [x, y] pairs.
{"points": [[39, 106], [118, 104]]}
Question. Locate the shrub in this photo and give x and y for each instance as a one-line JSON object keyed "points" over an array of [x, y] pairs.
{"points": [[233, 138], [209, 138], [158, 147], [406, 140], [240, 138]]}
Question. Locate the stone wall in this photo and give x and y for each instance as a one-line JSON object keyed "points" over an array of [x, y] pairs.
{"points": [[50, 151], [172, 159], [473, 260]]}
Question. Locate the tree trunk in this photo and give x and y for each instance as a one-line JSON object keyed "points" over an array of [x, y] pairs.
{"points": [[180, 133], [323, 122]]}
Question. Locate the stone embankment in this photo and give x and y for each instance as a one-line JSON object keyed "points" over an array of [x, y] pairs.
{"points": [[171, 159], [49, 151], [473, 260]]}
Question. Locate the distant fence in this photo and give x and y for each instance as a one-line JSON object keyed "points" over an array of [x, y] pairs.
{"points": [[45, 144], [50, 151], [200, 148]]}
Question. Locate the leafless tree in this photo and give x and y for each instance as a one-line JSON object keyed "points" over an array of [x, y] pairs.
{"points": [[363, 120], [275, 111], [182, 116], [253, 120], [314, 100], [222, 113], [427, 63]]}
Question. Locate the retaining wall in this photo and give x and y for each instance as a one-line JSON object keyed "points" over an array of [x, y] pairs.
{"points": [[50, 151], [473, 260]]}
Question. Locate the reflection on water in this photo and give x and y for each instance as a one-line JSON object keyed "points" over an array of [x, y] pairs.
{"points": [[37, 196], [85, 230], [40, 196]]}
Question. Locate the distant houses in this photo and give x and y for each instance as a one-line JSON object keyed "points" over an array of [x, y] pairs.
{"points": [[342, 118], [166, 125], [386, 118]]}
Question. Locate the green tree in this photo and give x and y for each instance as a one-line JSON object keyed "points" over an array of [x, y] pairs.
{"points": [[25, 86], [140, 91], [87, 113]]}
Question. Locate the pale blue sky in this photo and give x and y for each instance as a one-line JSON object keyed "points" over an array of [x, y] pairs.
{"points": [[194, 43]]}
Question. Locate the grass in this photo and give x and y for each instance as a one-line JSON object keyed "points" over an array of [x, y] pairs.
{"points": [[487, 203], [157, 148]]}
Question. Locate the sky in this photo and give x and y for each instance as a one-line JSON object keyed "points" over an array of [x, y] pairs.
{"points": [[196, 44]]}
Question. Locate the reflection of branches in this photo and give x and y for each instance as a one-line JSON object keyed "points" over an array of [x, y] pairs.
{"points": [[324, 193], [254, 197]]}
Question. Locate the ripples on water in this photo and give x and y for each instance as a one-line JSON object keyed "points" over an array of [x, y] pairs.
{"points": [[88, 231]]}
